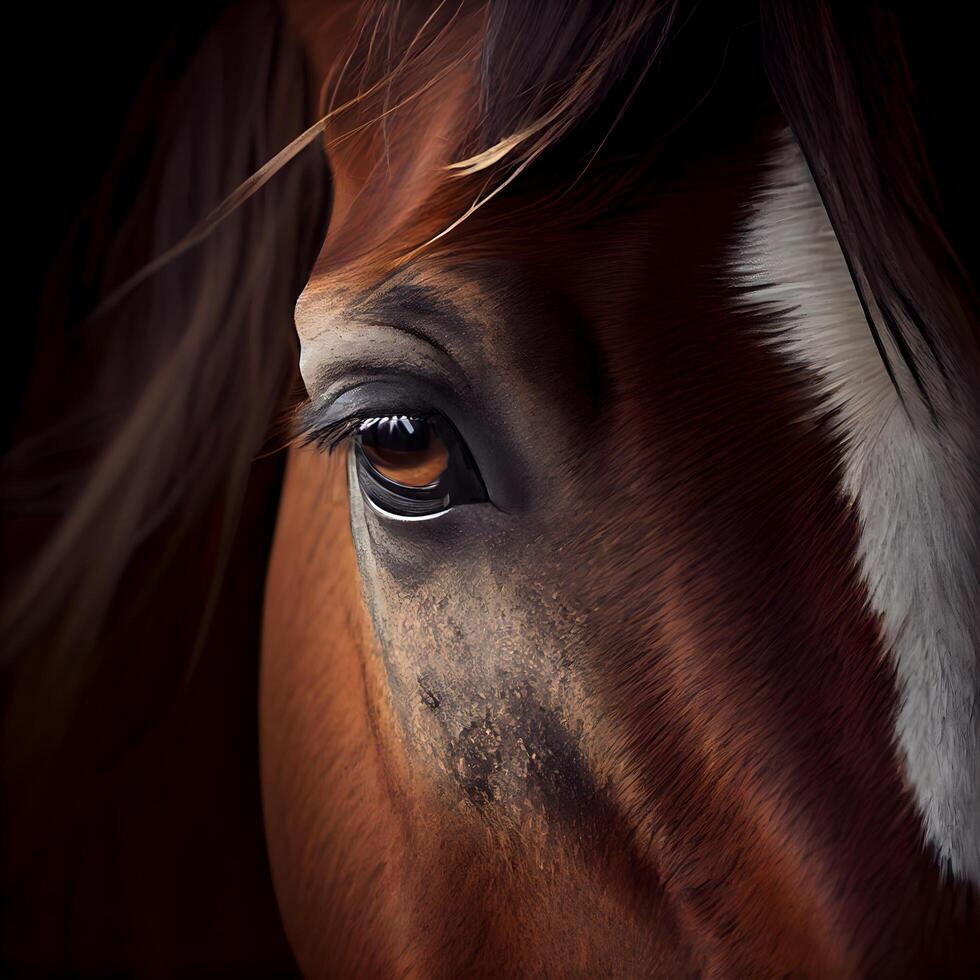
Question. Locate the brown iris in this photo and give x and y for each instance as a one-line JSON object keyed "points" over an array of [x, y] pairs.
{"points": [[404, 449]]}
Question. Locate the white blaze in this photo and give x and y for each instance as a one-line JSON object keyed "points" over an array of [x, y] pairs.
{"points": [[910, 487]]}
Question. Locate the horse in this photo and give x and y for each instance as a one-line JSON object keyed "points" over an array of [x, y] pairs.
{"points": [[620, 616]]}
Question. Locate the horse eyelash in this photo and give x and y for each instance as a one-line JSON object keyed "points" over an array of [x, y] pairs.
{"points": [[327, 437]]}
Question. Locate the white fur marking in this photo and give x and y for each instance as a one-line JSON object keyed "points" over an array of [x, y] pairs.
{"points": [[913, 498]]}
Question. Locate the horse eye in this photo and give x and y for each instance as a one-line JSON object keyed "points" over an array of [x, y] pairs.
{"points": [[414, 467]]}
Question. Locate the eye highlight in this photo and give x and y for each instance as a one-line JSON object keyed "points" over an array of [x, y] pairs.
{"points": [[414, 466]]}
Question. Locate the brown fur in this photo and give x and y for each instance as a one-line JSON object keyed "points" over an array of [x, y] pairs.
{"points": [[737, 711]]}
